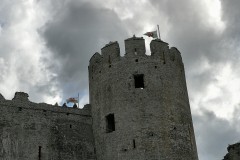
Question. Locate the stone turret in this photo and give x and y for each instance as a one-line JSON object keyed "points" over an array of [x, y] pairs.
{"points": [[139, 103]]}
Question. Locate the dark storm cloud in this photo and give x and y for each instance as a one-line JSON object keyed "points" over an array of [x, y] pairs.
{"points": [[214, 134], [74, 36]]}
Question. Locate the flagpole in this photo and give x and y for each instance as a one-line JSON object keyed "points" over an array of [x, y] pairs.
{"points": [[158, 32], [78, 99]]}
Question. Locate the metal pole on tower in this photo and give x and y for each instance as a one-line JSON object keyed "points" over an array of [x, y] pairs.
{"points": [[78, 100], [158, 32]]}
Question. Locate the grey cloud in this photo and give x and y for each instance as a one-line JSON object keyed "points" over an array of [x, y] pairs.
{"points": [[200, 79], [231, 14], [74, 36]]}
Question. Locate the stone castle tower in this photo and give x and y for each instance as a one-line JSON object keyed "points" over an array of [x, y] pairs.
{"points": [[139, 110], [140, 106]]}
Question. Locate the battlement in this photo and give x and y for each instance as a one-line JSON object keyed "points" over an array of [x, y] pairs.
{"points": [[135, 51], [20, 102]]}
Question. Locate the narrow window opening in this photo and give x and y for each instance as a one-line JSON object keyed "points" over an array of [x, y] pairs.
{"points": [[164, 61], [110, 123], [39, 152], [109, 59], [134, 143], [155, 66], [19, 108], [136, 60], [139, 81], [110, 66], [135, 51], [70, 126]]}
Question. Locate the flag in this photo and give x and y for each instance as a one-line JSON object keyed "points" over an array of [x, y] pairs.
{"points": [[72, 100], [152, 34]]}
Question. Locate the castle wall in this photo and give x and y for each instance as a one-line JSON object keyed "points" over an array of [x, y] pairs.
{"points": [[233, 152], [152, 121], [44, 132]]}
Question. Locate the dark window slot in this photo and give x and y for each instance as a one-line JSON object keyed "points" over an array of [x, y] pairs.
{"points": [[109, 59], [110, 123], [39, 152], [139, 81], [134, 143]]}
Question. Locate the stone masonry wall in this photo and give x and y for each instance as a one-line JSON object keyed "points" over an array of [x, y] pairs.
{"points": [[44, 132]]}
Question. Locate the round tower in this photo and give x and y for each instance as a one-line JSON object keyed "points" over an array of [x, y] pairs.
{"points": [[140, 105]]}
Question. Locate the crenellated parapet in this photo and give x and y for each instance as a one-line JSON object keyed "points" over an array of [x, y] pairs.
{"points": [[135, 51], [20, 102]]}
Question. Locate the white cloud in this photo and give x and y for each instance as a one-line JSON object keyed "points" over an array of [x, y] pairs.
{"points": [[214, 14], [23, 49]]}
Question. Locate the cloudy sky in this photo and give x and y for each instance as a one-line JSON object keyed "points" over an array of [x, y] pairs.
{"points": [[45, 47]]}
